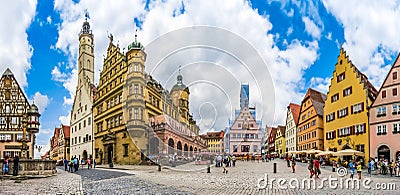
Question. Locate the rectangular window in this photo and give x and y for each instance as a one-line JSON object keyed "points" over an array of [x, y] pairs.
{"points": [[8, 137], [384, 94], [341, 77], [395, 128], [342, 112], [136, 114], [394, 75], [233, 135], [394, 91], [357, 108], [136, 89], [126, 149], [120, 120], [239, 135], [347, 91], [335, 97], [255, 147], [234, 148], [89, 121]]}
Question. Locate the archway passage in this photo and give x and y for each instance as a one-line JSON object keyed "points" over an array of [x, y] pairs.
{"points": [[179, 148], [109, 154], [185, 149], [84, 155], [384, 153], [347, 158], [154, 146], [191, 151], [171, 144]]}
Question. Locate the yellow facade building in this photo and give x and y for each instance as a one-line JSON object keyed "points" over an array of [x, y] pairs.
{"points": [[126, 99], [280, 141], [346, 109]]}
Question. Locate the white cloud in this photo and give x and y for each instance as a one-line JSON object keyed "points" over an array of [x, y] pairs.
{"points": [[329, 36], [289, 31], [320, 84], [65, 120], [56, 75], [41, 101], [311, 28], [371, 33], [15, 50], [48, 19], [286, 66]]}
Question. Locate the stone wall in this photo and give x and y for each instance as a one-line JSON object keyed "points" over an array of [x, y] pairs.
{"points": [[31, 167]]}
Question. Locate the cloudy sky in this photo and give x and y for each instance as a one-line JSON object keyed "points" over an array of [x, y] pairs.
{"points": [[298, 42]]}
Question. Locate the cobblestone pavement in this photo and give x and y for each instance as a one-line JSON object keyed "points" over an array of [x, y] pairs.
{"points": [[96, 181], [61, 183], [189, 178], [243, 179]]}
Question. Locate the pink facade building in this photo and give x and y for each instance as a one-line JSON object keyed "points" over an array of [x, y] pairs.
{"points": [[384, 117]]}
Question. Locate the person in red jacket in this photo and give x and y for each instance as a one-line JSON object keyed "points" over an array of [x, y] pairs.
{"points": [[317, 168]]}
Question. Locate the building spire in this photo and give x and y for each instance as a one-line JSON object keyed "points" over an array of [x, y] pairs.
{"points": [[136, 35], [86, 25]]}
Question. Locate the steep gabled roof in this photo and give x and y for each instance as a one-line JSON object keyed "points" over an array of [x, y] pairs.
{"points": [[66, 131], [282, 129], [317, 99], [272, 135], [295, 109]]}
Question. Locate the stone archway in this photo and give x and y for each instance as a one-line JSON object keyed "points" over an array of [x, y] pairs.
{"points": [[179, 148], [185, 149], [347, 158], [171, 146], [84, 155], [384, 152], [154, 146]]}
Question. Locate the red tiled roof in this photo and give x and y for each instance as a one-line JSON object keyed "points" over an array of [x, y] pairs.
{"points": [[66, 130], [295, 109]]}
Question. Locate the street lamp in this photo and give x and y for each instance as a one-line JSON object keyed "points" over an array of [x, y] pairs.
{"points": [[30, 122]]}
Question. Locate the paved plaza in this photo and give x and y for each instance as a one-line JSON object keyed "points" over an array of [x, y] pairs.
{"points": [[190, 179]]}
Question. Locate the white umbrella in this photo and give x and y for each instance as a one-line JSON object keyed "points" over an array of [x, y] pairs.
{"points": [[324, 153], [313, 151], [347, 152]]}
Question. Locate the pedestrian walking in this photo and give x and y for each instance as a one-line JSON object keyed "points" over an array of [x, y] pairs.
{"points": [[311, 168], [293, 165], [317, 170], [225, 163], [287, 160], [233, 161], [359, 168], [89, 163], [5, 166], [71, 164], [372, 165], [398, 168], [16, 166], [391, 165], [76, 164], [94, 163], [65, 164], [352, 169]]}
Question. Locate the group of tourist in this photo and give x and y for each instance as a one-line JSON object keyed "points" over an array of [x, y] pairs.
{"points": [[73, 165], [385, 167], [5, 168]]}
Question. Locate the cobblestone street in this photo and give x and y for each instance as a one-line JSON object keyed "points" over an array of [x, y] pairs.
{"points": [[185, 179]]}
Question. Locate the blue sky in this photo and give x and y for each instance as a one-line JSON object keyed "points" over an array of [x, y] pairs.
{"points": [[298, 40]]}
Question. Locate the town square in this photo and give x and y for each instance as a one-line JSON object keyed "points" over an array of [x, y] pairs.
{"points": [[199, 97]]}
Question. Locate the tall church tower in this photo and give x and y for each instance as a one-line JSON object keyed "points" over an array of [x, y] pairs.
{"points": [[180, 97], [86, 55], [81, 134]]}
